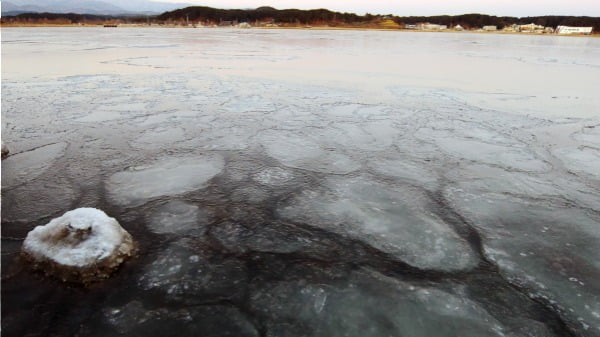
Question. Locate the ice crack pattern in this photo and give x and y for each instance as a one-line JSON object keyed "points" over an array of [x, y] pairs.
{"points": [[288, 183]]}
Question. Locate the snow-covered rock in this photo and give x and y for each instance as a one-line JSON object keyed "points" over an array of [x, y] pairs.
{"points": [[83, 245]]}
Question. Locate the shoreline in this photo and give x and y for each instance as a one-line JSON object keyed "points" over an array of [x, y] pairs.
{"points": [[500, 32]]}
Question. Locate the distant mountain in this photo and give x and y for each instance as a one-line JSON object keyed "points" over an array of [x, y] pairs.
{"points": [[98, 7]]}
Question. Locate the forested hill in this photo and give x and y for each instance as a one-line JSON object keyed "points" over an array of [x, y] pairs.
{"points": [[198, 13], [317, 16], [297, 17]]}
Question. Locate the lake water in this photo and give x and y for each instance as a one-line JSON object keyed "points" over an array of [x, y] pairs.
{"points": [[308, 182]]}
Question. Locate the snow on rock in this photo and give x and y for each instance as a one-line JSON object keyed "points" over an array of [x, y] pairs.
{"points": [[170, 176], [83, 245]]}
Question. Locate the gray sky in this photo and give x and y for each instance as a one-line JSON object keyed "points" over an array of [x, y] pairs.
{"points": [[423, 7]]}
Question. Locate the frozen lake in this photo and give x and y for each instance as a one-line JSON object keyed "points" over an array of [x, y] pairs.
{"points": [[308, 183]]}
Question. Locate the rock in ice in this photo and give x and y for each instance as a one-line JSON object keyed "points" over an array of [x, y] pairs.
{"points": [[170, 176], [83, 245]]}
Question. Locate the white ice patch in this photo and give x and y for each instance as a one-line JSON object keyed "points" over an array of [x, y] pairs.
{"points": [[395, 220], [300, 152], [169, 176], [176, 217], [26, 166], [584, 160], [273, 176], [80, 238]]}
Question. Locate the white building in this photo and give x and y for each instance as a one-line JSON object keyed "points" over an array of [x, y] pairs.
{"points": [[490, 28], [532, 27], [431, 26], [573, 30]]}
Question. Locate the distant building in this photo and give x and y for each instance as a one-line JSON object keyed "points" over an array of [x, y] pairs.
{"points": [[431, 26], [458, 27], [244, 25], [573, 30], [490, 28], [410, 26], [531, 27]]}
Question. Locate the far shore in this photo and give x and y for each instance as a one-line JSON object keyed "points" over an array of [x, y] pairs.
{"points": [[302, 27]]}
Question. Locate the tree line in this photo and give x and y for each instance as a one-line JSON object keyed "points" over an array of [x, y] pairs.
{"points": [[308, 17]]}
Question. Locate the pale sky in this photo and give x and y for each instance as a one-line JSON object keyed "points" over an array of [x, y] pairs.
{"points": [[423, 7]]}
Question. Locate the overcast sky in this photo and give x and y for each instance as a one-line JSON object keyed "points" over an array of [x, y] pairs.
{"points": [[423, 7]]}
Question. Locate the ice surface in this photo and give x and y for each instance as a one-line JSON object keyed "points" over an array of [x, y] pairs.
{"points": [[300, 152], [159, 137], [177, 217], [4, 150], [134, 319], [439, 165], [480, 179], [590, 136], [396, 219], [169, 176], [369, 304], [84, 239], [273, 176], [551, 250], [489, 151], [584, 160], [406, 169], [23, 167], [187, 272]]}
